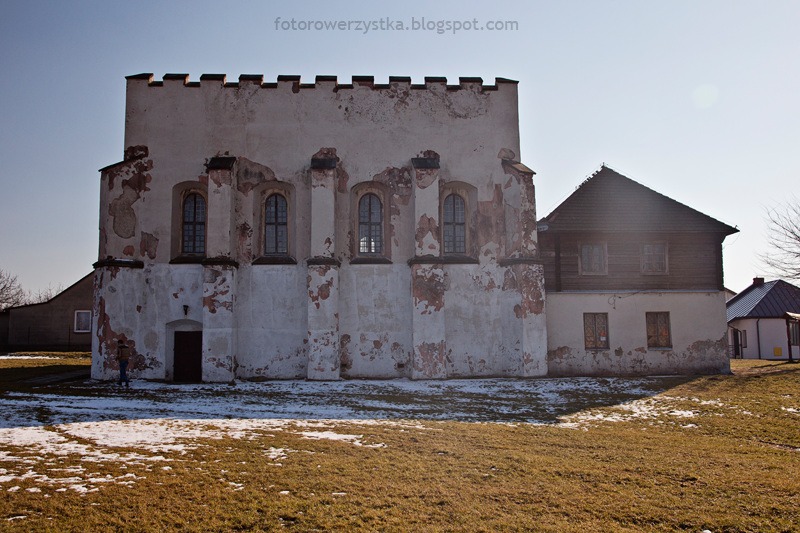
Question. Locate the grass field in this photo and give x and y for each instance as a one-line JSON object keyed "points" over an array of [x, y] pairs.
{"points": [[718, 453]]}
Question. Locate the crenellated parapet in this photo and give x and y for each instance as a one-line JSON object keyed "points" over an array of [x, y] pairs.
{"points": [[321, 82]]}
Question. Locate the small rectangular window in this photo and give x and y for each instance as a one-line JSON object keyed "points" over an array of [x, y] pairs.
{"points": [[654, 258], [658, 331], [595, 331], [593, 259], [744, 338], [83, 322], [794, 333]]}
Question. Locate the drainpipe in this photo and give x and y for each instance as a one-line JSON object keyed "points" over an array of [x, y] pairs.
{"points": [[758, 338]]}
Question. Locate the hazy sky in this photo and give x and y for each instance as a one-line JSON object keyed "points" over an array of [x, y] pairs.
{"points": [[697, 99]]}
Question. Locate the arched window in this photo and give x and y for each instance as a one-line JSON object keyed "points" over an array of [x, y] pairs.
{"points": [[370, 225], [275, 226], [455, 230], [193, 239]]}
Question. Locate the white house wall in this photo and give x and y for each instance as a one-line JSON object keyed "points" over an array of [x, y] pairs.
{"points": [[772, 335], [697, 325]]}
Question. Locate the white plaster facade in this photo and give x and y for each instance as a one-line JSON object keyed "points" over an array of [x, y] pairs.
{"points": [[323, 310], [697, 326], [766, 338]]}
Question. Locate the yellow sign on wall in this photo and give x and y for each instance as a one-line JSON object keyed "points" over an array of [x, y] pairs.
{"points": [[777, 352]]}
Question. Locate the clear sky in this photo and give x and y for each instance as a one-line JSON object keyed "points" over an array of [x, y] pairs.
{"points": [[695, 99]]}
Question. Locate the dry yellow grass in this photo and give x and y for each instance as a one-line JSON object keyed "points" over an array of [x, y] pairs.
{"points": [[730, 466]]}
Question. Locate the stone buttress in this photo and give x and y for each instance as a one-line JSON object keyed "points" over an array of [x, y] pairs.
{"points": [[323, 275], [527, 271], [427, 275], [219, 275]]}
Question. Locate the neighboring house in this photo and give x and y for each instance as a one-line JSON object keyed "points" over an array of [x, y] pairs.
{"points": [[634, 283], [319, 230], [63, 323], [729, 294], [757, 323]]}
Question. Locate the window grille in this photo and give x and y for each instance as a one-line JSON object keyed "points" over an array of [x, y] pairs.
{"points": [[658, 330], [370, 225], [194, 225], [455, 232], [654, 258], [276, 236], [595, 331], [593, 258]]}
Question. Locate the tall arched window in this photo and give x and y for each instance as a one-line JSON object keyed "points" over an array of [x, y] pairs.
{"points": [[193, 239], [370, 225], [455, 230], [275, 226]]}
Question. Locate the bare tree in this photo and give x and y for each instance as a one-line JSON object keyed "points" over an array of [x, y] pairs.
{"points": [[44, 295], [783, 237], [11, 293]]}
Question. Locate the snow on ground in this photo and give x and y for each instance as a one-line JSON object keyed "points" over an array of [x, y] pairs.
{"points": [[155, 423], [481, 400], [2, 357]]}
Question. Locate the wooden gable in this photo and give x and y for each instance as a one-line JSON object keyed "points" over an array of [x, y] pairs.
{"points": [[623, 219], [610, 202]]}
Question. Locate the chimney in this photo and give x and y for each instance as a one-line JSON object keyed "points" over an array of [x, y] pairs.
{"points": [[758, 281]]}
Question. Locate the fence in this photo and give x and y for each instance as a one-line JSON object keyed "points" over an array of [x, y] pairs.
{"points": [[43, 338]]}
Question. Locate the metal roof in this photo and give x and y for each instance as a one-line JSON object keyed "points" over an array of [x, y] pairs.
{"points": [[765, 300]]}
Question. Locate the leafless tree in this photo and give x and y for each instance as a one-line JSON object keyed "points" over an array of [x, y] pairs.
{"points": [[783, 237], [44, 295], [11, 293]]}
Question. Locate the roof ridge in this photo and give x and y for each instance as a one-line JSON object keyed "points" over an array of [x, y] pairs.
{"points": [[605, 172]]}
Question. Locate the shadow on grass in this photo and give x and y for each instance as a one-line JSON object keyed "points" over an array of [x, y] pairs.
{"points": [[504, 400]]}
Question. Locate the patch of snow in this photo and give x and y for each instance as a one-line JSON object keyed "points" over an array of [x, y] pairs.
{"points": [[2, 357], [330, 435]]}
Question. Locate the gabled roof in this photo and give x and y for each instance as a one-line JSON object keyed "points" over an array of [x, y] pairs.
{"points": [[765, 300], [611, 202], [60, 294]]}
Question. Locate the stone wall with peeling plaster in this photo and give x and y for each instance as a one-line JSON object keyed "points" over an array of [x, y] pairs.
{"points": [[323, 317]]}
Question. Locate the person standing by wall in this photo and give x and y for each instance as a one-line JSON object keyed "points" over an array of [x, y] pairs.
{"points": [[123, 356]]}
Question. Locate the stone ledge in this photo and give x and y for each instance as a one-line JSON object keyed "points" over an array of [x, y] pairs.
{"points": [[223, 261], [425, 162], [313, 261], [443, 260], [275, 260], [370, 261], [127, 263]]}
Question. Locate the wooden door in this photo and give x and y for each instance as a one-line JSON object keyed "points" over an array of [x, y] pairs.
{"points": [[188, 360], [737, 344]]}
